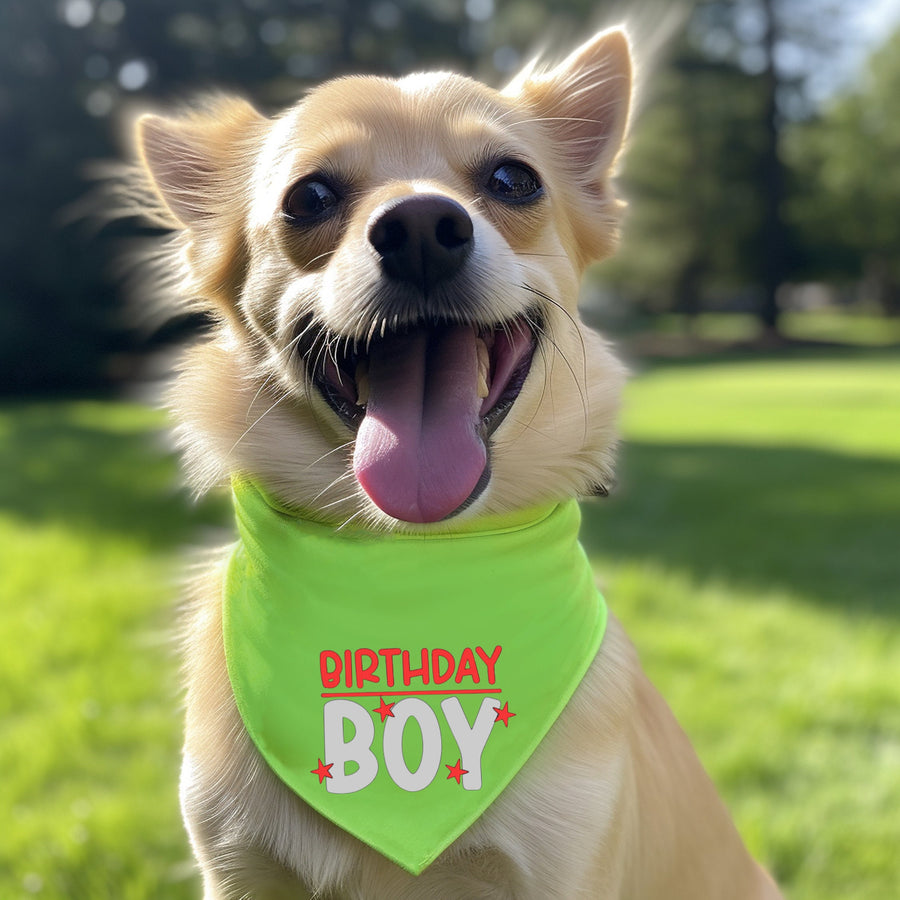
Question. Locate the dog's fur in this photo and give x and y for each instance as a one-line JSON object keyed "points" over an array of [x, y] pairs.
{"points": [[625, 810]]}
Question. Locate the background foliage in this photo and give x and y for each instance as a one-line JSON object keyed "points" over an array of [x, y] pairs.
{"points": [[749, 171]]}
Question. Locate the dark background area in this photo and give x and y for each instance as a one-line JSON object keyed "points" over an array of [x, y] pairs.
{"points": [[763, 175]]}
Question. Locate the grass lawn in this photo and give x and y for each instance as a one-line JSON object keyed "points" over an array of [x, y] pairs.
{"points": [[751, 551], [90, 523]]}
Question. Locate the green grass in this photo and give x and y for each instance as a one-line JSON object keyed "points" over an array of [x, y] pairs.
{"points": [[751, 550], [752, 553], [834, 326], [89, 723], [826, 325]]}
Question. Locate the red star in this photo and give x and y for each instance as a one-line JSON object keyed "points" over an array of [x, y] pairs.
{"points": [[385, 710], [324, 771], [456, 771], [503, 714]]}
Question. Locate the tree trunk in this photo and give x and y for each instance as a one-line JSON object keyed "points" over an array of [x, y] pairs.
{"points": [[772, 179]]}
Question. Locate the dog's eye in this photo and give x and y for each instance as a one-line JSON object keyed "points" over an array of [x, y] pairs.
{"points": [[310, 200], [514, 183]]}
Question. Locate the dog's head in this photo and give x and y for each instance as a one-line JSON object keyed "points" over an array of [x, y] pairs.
{"points": [[395, 268]]}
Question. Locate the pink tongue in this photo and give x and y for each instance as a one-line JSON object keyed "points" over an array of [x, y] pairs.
{"points": [[418, 452]]}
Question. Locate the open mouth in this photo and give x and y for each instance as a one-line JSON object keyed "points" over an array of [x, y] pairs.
{"points": [[423, 402]]}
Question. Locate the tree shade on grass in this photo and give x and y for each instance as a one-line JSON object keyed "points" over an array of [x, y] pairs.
{"points": [[750, 551]]}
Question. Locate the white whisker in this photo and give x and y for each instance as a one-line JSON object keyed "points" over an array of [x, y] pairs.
{"points": [[256, 422], [333, 450]]}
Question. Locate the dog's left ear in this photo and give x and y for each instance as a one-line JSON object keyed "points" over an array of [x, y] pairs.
{"points": [[200, 160], [585, 102], [199, 164]]}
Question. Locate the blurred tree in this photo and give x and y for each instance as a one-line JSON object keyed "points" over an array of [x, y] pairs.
{"points": [[696, 219], [781, 42], [52, 309], [707, 172], [848, 199]]}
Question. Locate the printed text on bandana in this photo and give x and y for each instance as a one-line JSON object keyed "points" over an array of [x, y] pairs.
{"points": [[350, 678]]}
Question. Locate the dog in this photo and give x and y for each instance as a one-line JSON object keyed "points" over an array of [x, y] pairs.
{"points": [[392, 268]]}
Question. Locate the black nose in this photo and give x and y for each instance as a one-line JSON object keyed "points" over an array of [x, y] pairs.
{"points": [[422, 239]]}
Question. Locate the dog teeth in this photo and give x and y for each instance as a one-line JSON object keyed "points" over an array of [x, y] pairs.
{"points": [[362, 383], [484, 367], [482, 387]]}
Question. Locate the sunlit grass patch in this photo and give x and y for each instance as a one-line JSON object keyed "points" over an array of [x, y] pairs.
{"points": [[832, 402], [89, 522], [826, 326], [851, 327]]}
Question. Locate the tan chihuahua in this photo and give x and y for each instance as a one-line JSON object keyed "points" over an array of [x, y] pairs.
{"points": [[393, 269]]}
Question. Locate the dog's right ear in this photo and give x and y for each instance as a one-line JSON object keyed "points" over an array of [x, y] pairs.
{"points": [[200, 160], [200, 166], [583, 104]]}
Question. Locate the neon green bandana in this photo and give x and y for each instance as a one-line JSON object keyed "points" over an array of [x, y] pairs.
{"points": [[397, 683]]}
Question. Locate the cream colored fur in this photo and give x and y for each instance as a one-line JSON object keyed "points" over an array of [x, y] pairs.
{"points": [[614, 804]]}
